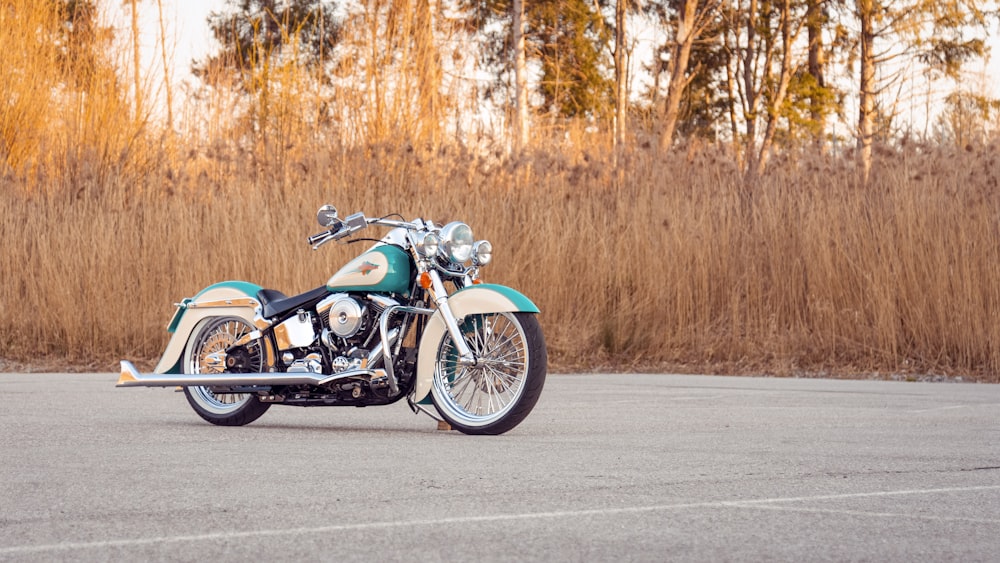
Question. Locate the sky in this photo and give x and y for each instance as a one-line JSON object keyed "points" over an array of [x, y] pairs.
{"points": [[189, 38], [187, 32]]}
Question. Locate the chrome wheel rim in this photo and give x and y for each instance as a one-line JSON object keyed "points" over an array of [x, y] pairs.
{"points": [[482, 394], [215, 339]]}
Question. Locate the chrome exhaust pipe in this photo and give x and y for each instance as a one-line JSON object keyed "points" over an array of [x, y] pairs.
{"points": [[130, 377]]}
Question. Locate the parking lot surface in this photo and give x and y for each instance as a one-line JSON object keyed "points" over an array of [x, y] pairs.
{"points": [[607, 467]]}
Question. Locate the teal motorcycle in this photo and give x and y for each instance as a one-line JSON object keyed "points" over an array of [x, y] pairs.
{"points": [[408, 318]]}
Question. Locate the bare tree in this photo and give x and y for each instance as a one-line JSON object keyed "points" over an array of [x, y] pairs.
{"points": [[866, 88], [521, 126], [621, 72], [779, 87], [968, 118], [692, 19], [136, 60], [168, 88], [939, 34], [427, 63], [763, 35]]}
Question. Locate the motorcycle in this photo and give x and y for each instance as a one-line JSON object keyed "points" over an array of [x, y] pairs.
{"points": [[410, 317]]}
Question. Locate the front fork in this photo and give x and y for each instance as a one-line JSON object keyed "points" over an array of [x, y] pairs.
{"points": [[440, 295]]}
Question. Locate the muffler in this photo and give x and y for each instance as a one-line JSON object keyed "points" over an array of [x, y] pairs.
{"points": [[130, 377]]}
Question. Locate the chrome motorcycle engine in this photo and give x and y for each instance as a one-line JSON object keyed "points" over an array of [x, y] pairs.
{"points": [[342, 314], [349, 328]]}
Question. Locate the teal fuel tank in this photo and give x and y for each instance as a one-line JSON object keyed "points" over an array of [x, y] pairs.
{"points": [[383, 268]]}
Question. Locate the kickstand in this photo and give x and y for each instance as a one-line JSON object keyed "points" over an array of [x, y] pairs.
{"points": [[417, 409]]}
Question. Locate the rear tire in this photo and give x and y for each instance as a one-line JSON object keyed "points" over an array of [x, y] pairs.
{"points": [[215, 335], [498, 393]]}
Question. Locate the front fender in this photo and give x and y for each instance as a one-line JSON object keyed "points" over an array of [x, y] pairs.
{"points": [[484, 298], [229, 299]]}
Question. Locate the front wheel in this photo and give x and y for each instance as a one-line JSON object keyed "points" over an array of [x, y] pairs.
{"points": [[498, 392], [210, 341]]}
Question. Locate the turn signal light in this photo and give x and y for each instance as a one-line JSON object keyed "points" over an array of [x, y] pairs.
{"points": [[425, 280]]}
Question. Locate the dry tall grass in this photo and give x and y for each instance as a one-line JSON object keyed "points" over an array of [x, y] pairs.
{"points": [[639, 260], [661, 261]]}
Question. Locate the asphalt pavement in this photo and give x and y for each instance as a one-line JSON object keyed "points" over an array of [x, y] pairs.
{"points": [[606, 468]]}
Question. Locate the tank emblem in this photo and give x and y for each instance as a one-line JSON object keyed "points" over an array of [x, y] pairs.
{"points": [[366, 268]]}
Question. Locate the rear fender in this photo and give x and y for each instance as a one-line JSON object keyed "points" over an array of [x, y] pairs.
{"points": [[225, 299], [484, 298]]}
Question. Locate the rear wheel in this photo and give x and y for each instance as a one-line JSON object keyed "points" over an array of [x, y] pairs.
{"points": [[205, 353], [498, 392]]}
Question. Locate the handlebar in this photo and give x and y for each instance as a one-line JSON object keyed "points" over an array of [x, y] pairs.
{"points": [[320, 238], [352, 224]]}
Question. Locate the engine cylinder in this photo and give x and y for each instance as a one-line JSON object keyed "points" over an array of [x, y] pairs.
{"points": [[346, 316]]}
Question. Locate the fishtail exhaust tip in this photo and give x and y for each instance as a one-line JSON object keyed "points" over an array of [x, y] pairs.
{"points": [[128, 374]]}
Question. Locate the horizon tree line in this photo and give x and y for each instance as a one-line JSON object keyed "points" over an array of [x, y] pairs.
{"points": [[756, 75]]}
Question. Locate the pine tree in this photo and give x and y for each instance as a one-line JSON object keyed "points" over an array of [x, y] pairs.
{"points": [[566, 35], [254, 32]]}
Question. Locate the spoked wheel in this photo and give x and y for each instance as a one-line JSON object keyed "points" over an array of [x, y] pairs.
{"points": [[498, 392], [206, 353]]}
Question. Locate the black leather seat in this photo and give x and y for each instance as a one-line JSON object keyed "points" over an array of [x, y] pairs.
{"points": [[276, 303]]}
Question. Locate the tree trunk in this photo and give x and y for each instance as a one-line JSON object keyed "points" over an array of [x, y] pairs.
{"points": [[375, 119], [167, 87], [679, 80], [732, 90], [778, 98], [621, 72], [814, 27], [428, 69], [752, 92], [136, 60], [866, 91], [520, 77]]}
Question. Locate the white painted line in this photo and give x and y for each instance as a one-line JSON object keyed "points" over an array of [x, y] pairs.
{"points": [[950, 407], [865, 514], [864, 495], [940, 408], [233, 535]]}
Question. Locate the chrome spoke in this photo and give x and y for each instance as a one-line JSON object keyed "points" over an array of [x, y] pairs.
{"points": [[499, 357], [464, 381], [509, 379], [495, 394], [464, 377], [497, 347], [483, 393], [217, 340], [479, 337]]}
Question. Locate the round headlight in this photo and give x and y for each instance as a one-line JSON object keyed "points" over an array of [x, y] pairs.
{"points": [[482, 253], [428, 245], [456, 242]]}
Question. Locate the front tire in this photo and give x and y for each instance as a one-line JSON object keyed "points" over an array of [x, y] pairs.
{"points": [[498, 392], [216, 335]]}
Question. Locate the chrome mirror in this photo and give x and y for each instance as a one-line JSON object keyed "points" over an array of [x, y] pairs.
{"points": [[327, 216]]}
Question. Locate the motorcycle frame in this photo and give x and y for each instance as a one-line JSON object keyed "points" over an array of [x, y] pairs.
{"points": [[238, 299]]}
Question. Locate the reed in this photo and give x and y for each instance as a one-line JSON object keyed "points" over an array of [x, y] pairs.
{"points": [[637, 259], [662, 261]]}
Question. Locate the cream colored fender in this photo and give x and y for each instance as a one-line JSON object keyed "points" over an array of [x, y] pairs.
{"points": [[469, 301], [227, 299]]}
